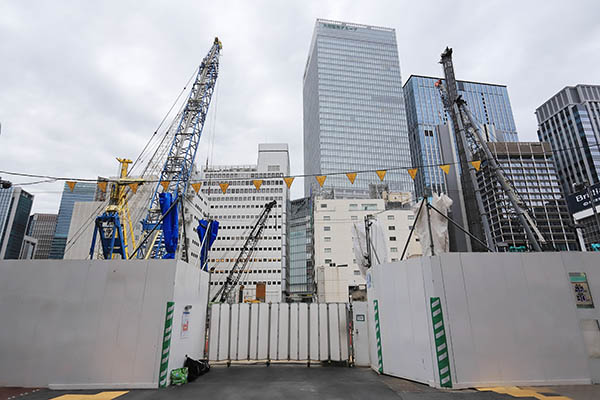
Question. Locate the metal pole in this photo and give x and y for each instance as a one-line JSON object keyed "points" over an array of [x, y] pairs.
{"points": [[429, 227]]}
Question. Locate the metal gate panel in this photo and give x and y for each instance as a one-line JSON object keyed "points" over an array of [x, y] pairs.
{"points": [[303, 331], [263, 331], [313, 338], [344, 330], [253, 347], [334, 332], [213, 348], [224, 333], [284, 319], [294, 331], [243, 332], [234, 315], [323, 332], [273, 330]]}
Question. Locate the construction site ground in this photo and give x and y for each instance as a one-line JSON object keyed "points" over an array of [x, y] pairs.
{"points": [[292, 382]]}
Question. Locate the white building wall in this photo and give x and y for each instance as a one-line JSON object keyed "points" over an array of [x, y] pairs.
{"points": [[237, 211], [333, 233]]}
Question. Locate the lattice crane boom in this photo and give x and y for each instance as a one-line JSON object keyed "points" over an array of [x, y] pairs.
{"points": [[235, 274]]}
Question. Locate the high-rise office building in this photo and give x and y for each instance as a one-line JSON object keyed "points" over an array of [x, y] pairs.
{"points": [[42, 227], [489, 104], [300, 282], [81, 192], [15, 206], [354, 117], [570, 122], [237, 211], [530, 168]]}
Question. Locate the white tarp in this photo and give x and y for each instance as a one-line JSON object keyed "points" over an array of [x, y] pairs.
{"points": [[379, 254], [439, 225]]}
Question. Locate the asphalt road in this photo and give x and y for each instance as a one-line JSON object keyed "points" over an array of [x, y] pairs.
{"points": [[290, 382]]}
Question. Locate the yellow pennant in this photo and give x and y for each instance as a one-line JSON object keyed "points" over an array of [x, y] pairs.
{"points": [[165, 185], [476, 165], [133, 187], [102, 186], [321, 179], [381, 174], [257, 183], [288, 181], [196, 186], [445, 168], [71, 185], [224, 187], [412, 172], [351, 177]]}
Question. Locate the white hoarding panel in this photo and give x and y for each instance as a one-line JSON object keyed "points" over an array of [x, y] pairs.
{"points": [[243, 332], [313, 337], [224, 333], [323, 332], [342, 314], [263, 331], [214, 332], [234, 328], [294, 331], [284, 317], [253, 331], [274, 331], [303, 331]]}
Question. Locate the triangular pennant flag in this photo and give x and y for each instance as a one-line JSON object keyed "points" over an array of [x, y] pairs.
{"points": [[196, 186], [351, 177], [288, 181], [71, 185], [476, 165], [165, 185], [381, 174], [102, 185], [445, 168], [133, 186], [257, 183], [412, 172], [321, 179], [224, 187]]}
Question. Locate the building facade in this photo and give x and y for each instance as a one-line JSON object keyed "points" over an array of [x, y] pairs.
{"points": [[82, 191], [489, 104], [570, 122], [42, 227], [354, 117], [15, 206], [337, 271], [530, 168], [300, 281], [237, 210]]}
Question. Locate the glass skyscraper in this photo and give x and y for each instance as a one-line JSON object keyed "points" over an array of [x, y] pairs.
{"points": [[15, 206], [81, 192], [489, 104], [354, 117], [301, 269]]}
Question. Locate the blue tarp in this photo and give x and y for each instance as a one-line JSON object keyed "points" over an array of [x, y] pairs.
{"points": [[170, 224], [203, 225]]}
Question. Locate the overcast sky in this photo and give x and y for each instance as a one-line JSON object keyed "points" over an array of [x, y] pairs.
{"points": [[83, 82]]}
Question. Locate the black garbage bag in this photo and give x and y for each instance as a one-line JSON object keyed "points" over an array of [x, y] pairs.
{"points": [[195, 368]]}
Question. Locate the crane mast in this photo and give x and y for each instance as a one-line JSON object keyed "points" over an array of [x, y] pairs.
{"points": [[235, 274], [178, 167], [469, 137]]}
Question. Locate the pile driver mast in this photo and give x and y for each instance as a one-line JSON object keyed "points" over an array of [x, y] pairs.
{"points": [[235, 274], [175, 175], [469, 138]]}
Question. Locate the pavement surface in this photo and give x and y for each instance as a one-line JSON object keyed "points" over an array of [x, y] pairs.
{"points": [[292, 382]]}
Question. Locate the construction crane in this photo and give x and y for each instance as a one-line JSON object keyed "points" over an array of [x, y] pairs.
{"points": [[469, 138], [235, 274], [114, 225], [160, 228]]}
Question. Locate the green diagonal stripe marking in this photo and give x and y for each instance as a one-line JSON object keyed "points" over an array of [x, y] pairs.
{"points": [[378, 337], [166, 345], [441, 347]]}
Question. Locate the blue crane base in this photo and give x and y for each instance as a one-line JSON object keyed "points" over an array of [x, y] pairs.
{"points": [[108, 225]]}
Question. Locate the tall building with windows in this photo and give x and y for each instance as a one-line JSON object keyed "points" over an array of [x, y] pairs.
{"points": [[15, 206], [489, 104], [300, 282], [530, 168], [81, 192], [42, 227], [237, 210], [570, 122], [354, 117]]}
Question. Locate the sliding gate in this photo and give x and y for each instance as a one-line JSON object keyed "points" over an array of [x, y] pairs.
{"points": [[279, 331]]}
